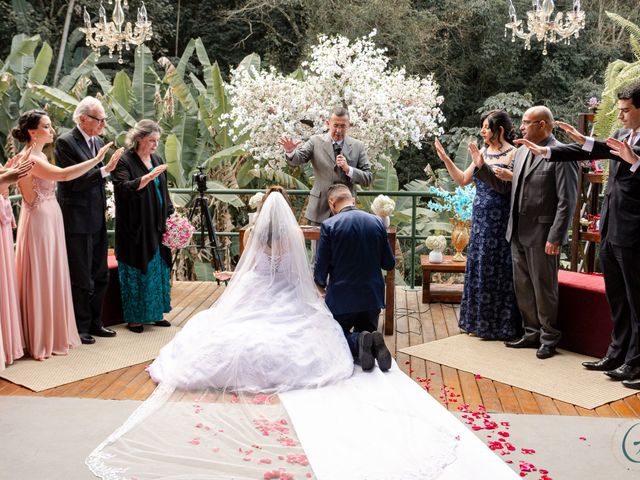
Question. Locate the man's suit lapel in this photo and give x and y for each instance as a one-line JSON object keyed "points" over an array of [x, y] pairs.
{"points": [[347, 147], [81, 143], [519, 166], [327, 145]]}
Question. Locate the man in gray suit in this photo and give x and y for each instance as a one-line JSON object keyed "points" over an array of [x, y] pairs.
{"points": [[335, 158], [543, 197]]}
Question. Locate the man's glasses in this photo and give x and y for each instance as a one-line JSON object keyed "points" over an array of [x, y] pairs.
{"points": [[526, 123], [99, 120]]}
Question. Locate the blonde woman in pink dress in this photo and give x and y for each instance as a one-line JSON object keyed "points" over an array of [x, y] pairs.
{"points": [[43, 272], [11, 339]]}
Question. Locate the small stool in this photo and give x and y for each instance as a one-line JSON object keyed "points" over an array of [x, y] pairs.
{"points": [[112, 303], [452, 294]]}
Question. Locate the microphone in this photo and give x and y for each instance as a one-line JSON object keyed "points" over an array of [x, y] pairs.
{"points": [[337, 150]]}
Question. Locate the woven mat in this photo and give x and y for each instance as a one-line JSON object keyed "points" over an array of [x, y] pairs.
{"points": [[85, 361], [561, 377]]}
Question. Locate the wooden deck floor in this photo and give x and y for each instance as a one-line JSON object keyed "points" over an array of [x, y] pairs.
{"points": [[416, 323]]}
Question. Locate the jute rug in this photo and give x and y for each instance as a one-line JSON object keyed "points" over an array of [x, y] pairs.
{"points": [[85, 361], [561, 377]]}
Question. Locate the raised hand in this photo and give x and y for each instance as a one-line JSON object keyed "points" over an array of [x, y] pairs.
{"points": [[288, 144], [103, 151], [113, 161], [533, 148], [24, 155], [570, 130], [622, 150], [442, 153], [156, 172], [476, 156]]}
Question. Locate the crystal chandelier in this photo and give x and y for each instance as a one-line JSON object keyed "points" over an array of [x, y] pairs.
{"points": [[115, 34], [540, 25]]}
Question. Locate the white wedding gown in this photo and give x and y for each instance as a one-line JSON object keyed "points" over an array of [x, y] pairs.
{"points": [[239, 377], [272, 341]]}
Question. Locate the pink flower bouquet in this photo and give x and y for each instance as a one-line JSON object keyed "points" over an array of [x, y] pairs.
{"points": [[179, 232]]}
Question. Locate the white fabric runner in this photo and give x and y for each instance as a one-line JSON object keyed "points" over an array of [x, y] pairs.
{"points": [[384, 422]]}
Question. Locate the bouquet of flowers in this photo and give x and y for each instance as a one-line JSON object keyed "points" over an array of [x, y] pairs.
{"points": [[436, 243], [179, 232], [459, 203], [256, 200], [383, 206]]}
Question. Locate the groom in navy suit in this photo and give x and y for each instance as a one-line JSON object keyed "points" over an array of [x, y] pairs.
{"points": [[352, 251]]}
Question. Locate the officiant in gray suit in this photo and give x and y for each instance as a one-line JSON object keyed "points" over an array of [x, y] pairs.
{"points": [[335, 158], [543, 198]]}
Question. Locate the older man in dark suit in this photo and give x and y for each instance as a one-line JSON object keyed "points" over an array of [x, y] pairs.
{"points": [[543, 197], [83, 205], [619, 232], [335, 157], [352, 251]]}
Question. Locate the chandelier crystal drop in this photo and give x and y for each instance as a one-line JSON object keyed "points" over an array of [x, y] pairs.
{"points": [[116, 34], [542, 27]]}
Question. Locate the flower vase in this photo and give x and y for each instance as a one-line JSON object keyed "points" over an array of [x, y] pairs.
{"points": [[459, 238], [435, 257]]}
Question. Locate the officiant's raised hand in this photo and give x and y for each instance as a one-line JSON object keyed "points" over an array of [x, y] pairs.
{"points": [[288, 144]]}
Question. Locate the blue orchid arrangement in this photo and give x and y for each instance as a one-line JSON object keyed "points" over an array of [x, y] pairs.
{"points": [[459, 203]]}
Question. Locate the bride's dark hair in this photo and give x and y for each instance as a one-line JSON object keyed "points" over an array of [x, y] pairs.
{"points": [[280, 190]]}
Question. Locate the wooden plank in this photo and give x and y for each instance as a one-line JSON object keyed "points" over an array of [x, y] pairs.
{"points": [[489, 396], [546, 404], [470, 391], [565, 408], [606, 411], [451, 319], [526, 401], [508, 398], [127, 374], [633, 402], [622, 409], [583, 412]]}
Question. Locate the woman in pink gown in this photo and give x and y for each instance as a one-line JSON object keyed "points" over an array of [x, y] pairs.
{"points": [[11, 339], [41, 256]]}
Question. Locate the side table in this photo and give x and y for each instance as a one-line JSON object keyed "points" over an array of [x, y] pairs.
{"points": [[447, 266]]}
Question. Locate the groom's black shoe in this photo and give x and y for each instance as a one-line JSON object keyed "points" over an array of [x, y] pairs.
{"points": [[624, 372], [381, 352], [102, 332], [365, 353]]}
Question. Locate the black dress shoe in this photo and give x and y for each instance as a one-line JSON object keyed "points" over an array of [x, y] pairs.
{"points": [[602, 365], [162, 323], [624, 372], [136, 328], [102, 332], [522, 343], [635, 384], [546, 351], [381, 352], [87, 339], [365, 353]]}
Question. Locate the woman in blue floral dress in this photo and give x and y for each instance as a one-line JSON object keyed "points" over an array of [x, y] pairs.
{"points": [[489, 308], [142, 207]]}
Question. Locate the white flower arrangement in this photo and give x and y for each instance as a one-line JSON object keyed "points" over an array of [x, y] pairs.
{"points": [[383, 206], [436, 243], [111, 204], [256, 200], [388, 108]]}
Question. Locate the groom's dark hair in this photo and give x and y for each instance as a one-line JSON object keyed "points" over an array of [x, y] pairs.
{"points": [[339, 192]]}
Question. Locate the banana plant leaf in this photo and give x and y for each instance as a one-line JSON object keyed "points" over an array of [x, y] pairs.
{"points": [[38, 73], [144, 83]]}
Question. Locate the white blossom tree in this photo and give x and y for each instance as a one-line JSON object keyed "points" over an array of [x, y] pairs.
{"points": [[388, 108]]}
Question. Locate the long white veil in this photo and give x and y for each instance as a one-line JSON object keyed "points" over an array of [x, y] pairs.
{"points": [[216, 413]]}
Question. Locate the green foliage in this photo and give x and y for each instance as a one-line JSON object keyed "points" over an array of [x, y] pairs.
{"points": [[618, 74]]}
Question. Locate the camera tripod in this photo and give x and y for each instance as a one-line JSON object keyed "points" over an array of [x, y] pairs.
{"points": [[202, 206]]}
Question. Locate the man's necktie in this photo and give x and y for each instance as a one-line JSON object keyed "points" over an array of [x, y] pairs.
{"points": [[92, 146]]}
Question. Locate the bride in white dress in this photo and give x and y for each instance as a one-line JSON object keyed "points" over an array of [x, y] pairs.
{"points": [[238, 394], [270, 330]]}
